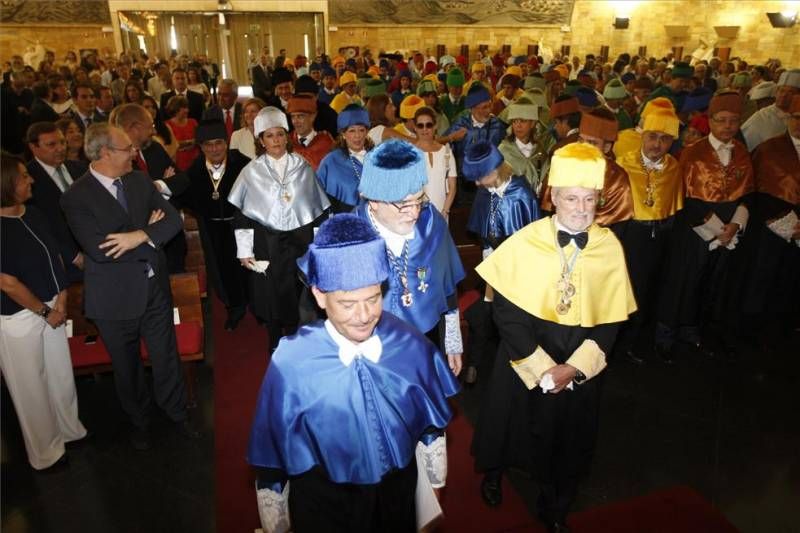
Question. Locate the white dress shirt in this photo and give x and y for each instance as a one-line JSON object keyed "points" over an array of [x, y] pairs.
{"points": [[724, 150]]}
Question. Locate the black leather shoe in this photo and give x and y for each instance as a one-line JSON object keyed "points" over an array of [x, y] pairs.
{"points": [[703, 349], [491, 491], [558, 527], [58, 466], [665, 353], [634, 357], [187, 429], [80, 443], [140, 439]]}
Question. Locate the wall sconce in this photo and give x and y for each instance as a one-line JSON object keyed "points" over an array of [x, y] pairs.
{"points": [[782, 20], [621, 23]]}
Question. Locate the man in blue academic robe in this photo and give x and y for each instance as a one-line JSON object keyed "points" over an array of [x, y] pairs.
{"points": [[352, 409]]}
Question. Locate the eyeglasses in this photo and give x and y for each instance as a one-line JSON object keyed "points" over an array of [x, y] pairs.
{"points": [[410, 207], [128, 148], [425, 125]]}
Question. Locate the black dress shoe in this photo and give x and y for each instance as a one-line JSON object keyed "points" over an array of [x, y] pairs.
{"points": [[703, 349], [140, 439], [558, 527], [491, 490], [634, 357], [187, 429], [665, 353], [83, 441]]}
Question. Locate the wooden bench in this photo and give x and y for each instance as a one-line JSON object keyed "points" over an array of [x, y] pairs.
{"points": [[195, 258], [94, 358]]}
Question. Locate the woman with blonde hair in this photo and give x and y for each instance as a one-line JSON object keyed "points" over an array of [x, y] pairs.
{"points": [[244, 138]]}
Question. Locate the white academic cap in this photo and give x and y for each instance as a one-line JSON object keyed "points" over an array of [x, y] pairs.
{"points": [[790, 78], [765, 89], [270, 117]]}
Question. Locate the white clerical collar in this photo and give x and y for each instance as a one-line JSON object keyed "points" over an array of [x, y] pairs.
{"points": [[717, 144], [329, 91], [499, 191], [476, 123], [371, 348], [573, 130], [360, 155], [525, 148], [649, 164], [218, 170], [394, 241]]}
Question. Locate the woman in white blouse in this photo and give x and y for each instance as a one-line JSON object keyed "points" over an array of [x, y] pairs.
{"points": [[244, 139], [441, 164]]}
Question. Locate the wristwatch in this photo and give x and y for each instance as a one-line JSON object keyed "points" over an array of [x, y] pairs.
{"points": [[45, 311], [579, 377]]}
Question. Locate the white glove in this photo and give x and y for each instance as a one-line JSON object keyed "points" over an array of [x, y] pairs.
{"points": [[273, 510]]}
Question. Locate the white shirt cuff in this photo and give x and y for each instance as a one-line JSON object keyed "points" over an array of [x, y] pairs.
{"points": [[452, 333], [273, 510], [741, 216], [244, 243], [164, 189], [434, 460]]}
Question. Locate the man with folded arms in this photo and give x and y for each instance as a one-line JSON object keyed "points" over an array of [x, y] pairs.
{"points": [[556, 329], [771, 293], [705, 259], [352, 409]]}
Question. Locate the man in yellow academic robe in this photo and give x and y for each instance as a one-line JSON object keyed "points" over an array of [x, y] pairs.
{"points": [[561, 292]]}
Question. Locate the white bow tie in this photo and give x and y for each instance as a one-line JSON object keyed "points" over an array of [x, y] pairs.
{"points": [[370, 348], [476, 124]]}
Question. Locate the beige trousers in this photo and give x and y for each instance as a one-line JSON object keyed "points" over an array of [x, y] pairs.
{"points": [[36, 365]]}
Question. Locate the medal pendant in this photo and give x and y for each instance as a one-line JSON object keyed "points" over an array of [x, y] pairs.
{"points": [[561, 286], [286, 197], [407, 299], [422, 273], [215, 195], [569, 292], [562, 308], [649, 202]]}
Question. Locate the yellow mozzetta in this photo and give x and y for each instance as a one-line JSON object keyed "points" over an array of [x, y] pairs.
{"points": [[526, 268]]}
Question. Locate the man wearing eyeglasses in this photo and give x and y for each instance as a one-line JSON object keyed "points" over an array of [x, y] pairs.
{"points": [[424, 262], [122, 222], [701, 288]]}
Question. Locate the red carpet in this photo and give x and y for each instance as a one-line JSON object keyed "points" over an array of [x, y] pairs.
{"points": [[240, 360], [239, 363]]}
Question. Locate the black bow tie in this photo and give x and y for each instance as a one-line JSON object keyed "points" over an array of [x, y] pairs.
{"points": [[580, 239]]}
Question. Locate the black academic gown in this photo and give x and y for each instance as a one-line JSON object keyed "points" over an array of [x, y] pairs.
{"points": [[215, 221]]}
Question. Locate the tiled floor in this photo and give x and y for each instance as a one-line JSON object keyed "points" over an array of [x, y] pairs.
{"points": [[730, 431]]}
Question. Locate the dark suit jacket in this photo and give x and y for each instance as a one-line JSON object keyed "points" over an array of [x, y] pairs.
{"points": [[215, 113], [262, 82], [116, 289], [196, 104], [42, 112], [46, 196], [95, 116], [158, 161]]}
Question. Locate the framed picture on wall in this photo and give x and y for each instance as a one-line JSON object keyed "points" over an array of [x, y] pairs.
{"points": [[349, 51]]}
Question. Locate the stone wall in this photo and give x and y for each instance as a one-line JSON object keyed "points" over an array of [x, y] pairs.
{"points": [[591, 27]]}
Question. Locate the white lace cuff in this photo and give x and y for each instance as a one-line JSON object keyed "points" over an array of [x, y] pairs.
{"points": [[273, 509], [741, 216], [452, 333], [434, 460], [244, 243]]}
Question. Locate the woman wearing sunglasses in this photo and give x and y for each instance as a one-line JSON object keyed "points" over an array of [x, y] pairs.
{"points": [[439, 160]]}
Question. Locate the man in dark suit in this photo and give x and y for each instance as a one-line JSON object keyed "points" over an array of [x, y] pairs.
{"points": [[228, 110], [261, 76], [121, 222], [180, 86], [105, 103], [85, 112], [152, 159], [52, 175], [41, 110]]}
